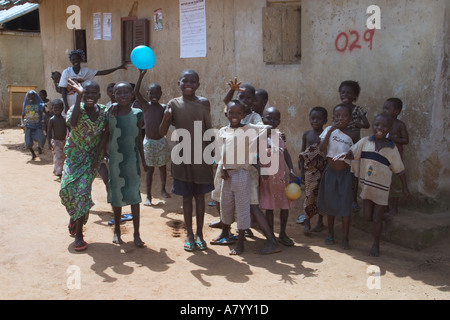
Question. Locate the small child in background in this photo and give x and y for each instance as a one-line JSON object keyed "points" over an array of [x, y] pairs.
{"points": [[110, 94], [156, 147], [349, 91], [48, 113], [123, 133], [335, 189], [272, 188], [56, 136], [261, 98], [379, 161], [311, 164], [399, 135], [32, 119]]}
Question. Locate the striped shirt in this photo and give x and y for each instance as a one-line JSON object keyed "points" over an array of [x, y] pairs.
{"points": [[376, 169]]}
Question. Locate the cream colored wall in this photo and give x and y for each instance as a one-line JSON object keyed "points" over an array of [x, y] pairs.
{"points": [[407, 60], [21, 64]]}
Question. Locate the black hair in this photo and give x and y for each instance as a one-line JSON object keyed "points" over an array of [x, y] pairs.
{"points": [[90, 83], [77, 52], [57, 101], [190, 71], [386, 117], [236, 102], [154, 85], [346, 106], [43, 92], [398, 104], [130, 85], [249, 87], [353, 84], [320, 109], [263, 93]]}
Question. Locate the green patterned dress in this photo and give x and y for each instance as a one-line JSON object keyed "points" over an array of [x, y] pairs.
{"points": [[80, 150], [123, 159]]}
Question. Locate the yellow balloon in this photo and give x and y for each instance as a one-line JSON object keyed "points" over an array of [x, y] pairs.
{"points": [[293, 191]]}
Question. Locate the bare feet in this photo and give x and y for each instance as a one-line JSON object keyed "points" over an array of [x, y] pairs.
{"points": [[374, 251], [238, 249], [117, 239], [138, 242], [270, 248], [165, 194]]}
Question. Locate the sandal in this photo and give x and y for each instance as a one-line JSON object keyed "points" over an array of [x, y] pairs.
{"points": [[80, 246], [329, 240], [189, 246], [286, 241], [201, 245]]}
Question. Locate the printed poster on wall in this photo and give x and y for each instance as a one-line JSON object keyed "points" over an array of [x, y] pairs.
{"points": [[107, 26], [158, 19], [97, 25], [192, 29]]}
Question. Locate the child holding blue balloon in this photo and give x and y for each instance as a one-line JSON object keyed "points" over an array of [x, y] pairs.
{"points": [[156, 147]]}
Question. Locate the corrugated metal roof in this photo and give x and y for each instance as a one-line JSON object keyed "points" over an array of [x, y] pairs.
{"points": [[17, 11]]}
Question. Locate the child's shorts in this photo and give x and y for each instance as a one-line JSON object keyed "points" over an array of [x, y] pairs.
{"points": [[189, 189], [335, 192], [34, 135], [234, 198]]}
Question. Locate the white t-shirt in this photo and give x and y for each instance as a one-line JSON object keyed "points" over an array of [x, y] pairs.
{"points": [[339, 142], [80, 77]]}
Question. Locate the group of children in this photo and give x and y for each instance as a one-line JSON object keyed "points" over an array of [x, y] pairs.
{"points": [[333, 162]]}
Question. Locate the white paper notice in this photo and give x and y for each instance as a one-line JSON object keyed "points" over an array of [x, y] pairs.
{"points": [[192, 29], [97, 24], [107, 26]]}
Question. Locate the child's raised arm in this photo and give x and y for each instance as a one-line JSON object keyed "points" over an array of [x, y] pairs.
{"points": [[76, 108], [234, 86], [137, 92]]}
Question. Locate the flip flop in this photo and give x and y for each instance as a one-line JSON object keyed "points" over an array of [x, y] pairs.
{"points": [[189, 246], [288, 242], [80, 246], [125, 217], [201, 245], [222, 241], [329, 240]]}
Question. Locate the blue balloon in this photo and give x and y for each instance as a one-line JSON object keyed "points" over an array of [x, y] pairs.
{"points": [[143, 57]]}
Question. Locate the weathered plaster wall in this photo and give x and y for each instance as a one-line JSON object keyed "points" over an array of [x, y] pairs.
{"points": [[408, 58], [21, 63]]}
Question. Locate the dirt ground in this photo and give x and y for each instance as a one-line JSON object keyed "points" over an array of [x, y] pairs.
{"points": [[37, 260]]}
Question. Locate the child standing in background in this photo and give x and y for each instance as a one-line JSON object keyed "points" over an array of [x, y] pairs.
{"points": [[32, 118], [261, 98], [86, 121], [56, 136], [335, 189], [399, 135], [311, 164], [349, 91], [156, 147], [123, 133], [272, 188]]}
